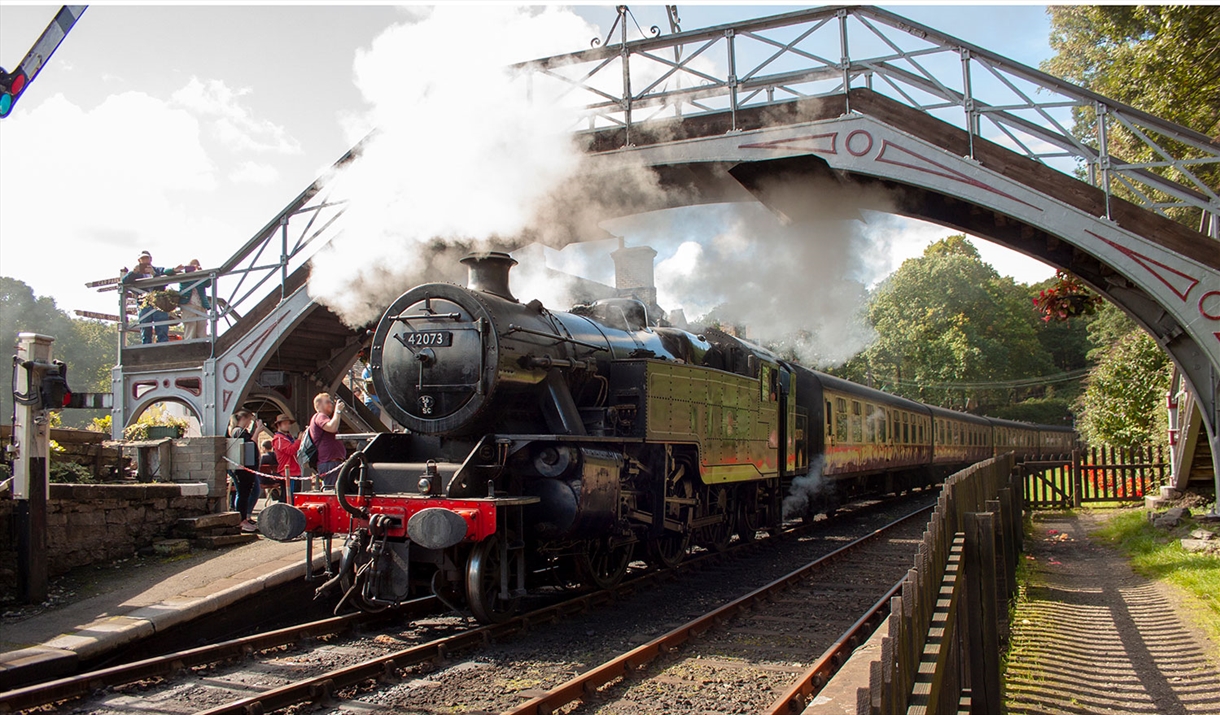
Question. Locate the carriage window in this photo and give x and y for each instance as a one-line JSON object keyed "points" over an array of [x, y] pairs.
{"points": [[830, 420], [882, 423], [906, 429], [857, 430], [870, 423], [840, 419]]}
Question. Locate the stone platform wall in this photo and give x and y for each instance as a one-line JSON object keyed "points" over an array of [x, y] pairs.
{"points": [[100, 523]]}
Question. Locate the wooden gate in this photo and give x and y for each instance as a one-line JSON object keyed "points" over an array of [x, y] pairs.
{"points": [[1096, 474]]}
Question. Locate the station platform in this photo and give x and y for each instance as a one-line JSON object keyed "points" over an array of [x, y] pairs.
{"points": [[139, 598]]}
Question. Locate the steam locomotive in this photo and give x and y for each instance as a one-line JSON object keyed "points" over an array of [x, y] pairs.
{"points": [[558, 447]]}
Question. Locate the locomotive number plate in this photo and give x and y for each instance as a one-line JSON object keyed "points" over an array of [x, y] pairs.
{"points": [[427, 339]]}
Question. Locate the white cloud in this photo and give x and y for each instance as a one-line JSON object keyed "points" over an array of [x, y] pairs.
{"points": [[252, 172], [230, 122], [83, 191]]}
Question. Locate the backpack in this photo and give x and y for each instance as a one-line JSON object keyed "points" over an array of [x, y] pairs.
{"points": [[307, 452]]}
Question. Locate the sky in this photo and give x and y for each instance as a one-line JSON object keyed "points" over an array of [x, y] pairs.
{"points": [[183, 129]]}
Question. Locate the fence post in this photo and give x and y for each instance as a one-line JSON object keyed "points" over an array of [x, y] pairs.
{"points": [[982, 636], [1077, 478]]}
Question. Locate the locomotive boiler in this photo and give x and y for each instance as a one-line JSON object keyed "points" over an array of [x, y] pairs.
{"points": [[558, 447]]}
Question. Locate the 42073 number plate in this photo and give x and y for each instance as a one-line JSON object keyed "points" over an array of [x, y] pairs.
{"points": [[426, 339]]}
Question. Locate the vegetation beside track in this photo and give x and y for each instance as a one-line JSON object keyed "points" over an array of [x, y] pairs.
{"points": [[1159, 555]]}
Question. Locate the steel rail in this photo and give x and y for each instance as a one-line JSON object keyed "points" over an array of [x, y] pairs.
{"points": [[625, 664], [75, 686], [385, 667], [811, 682]]}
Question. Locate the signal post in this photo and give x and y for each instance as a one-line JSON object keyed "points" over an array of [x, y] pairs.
{"points": [[43, 387]]}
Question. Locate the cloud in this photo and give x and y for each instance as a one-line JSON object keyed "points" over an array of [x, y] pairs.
{"points": [[252, 172], [230, 122], [84, 190]]}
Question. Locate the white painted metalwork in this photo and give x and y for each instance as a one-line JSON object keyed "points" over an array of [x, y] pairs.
{"points": [[825, 51]]}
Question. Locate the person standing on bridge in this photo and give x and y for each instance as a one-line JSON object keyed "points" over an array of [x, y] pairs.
{"points": [[152, 308], [323, 427], [193, 304]]}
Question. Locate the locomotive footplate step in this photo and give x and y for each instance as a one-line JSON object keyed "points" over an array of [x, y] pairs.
{"points": [[131, 604]]}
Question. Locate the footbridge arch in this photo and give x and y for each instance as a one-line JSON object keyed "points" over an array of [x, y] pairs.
{"points": [[851, 98]]}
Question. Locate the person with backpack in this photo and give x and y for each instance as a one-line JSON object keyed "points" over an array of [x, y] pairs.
{"points": [[323, 427]]}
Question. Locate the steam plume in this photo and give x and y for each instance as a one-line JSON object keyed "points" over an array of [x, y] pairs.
{"points": [[805, 490]]}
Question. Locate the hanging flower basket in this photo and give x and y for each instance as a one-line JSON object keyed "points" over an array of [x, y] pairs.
{"points": [[166, 300]]}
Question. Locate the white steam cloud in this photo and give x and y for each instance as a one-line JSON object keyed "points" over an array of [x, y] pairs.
{"points": [[464, 157], [800, 287], [805, 490]]}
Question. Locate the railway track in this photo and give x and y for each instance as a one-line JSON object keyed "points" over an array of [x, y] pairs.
{"points": [[293, 677], [749, 648]]}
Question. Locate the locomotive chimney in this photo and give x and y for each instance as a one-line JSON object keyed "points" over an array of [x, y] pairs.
{"points": [[489, 272], [633, 275]]}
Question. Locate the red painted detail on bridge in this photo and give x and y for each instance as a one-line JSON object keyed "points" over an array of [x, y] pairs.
{"points": [[228, 395], [858, 133], [1204, 311], [247, 353], [1166, 274], [941, 170], [230, 372], [815, 145]]}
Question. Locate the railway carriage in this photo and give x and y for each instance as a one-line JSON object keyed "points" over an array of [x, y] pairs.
{"points": [[960, 438], [557, 447]]}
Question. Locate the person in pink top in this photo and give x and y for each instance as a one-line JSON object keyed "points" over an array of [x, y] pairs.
{"points": [[322, 429]]}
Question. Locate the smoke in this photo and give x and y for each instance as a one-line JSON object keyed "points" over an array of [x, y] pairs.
{"points": [[465, 157], [800, 288], [468, 156], [805, 490]]}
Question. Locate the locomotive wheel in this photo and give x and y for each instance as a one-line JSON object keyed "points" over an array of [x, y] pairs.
{"points": [[483, 579], [749, 518], [669, 549], [602, 566], [720, 501]]}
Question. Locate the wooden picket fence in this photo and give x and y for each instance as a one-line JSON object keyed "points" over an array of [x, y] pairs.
{"points": [[1094, 474], [947, 628]]}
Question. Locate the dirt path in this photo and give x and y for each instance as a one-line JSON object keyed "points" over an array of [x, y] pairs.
{"points": [[1094, 637]]}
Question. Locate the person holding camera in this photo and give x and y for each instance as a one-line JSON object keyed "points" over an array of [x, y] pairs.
{"points": [[323, 427]]}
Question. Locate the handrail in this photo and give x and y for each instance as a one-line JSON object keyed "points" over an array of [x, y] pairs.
{"points": [[997, 98]]}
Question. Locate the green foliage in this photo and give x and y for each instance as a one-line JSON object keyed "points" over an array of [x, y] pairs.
{"points": [[1122, 401], [154, 416], [948, 317], [1110, 326], [71, 473], [1158, 58], [1038, 410], [1155, 554], [88, 347]]}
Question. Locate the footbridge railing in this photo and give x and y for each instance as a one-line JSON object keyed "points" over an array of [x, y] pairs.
{"points": [[827, 51], [272, 261]]}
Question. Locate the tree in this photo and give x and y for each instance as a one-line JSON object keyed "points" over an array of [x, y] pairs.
{"points": [[948, 317], [1121, 405], [1162, 59], [88, 347]]}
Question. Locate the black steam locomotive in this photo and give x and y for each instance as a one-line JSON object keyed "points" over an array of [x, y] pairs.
{"points": [[553, 447]]}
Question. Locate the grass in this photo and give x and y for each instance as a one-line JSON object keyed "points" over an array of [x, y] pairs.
{"points": [[1159, 555]]}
